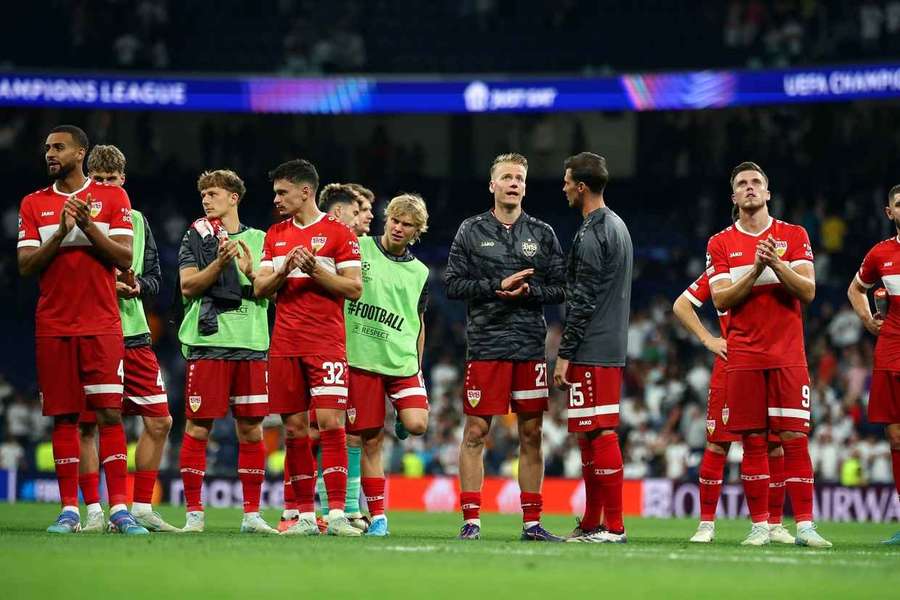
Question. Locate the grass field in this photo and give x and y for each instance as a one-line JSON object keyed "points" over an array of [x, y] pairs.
{"points": [[422, 560]]}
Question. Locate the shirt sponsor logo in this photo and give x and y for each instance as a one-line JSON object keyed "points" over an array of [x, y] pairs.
{"points": [[487, 244], [278, 244], [474, 397], [781, 247], [44, 213], [735, 255], [96, 207], [194, 402], [584, 422], [889, 263], [529, 248]]}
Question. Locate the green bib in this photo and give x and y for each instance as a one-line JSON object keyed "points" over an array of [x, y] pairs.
{"points": [[134, 321], [383, 325], [246, 327]]}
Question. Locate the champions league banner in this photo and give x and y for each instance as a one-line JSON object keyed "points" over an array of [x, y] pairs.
{"points": [[660, 498], [370, 95]]}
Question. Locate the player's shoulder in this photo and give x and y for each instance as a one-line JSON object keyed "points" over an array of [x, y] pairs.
{"points": [[537, 224], [723, 234], [280, 226], [785, 227], [36, 195], [100, 190], [890, 245], [336, 225]]}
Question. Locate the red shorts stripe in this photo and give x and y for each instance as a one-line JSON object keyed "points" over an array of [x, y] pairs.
{"points": [[214, 385], [774, 399], [301, 383], [368, 390], [593, 397], [79, 372]]}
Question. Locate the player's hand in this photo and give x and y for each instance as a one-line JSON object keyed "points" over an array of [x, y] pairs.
{"points": [[123, 290], [80, 211], [305, 260], [245, 261], [227, 252], [66, 222], [718, 346], [766, 252], [559, 373], [874, 324], [523, 291], [516, 279]]}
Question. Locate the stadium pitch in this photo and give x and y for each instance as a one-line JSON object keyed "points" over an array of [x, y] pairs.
{"points": [[422, 560]]}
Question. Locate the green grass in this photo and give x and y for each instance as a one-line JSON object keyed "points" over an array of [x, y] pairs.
{"points": [[421, 559]]}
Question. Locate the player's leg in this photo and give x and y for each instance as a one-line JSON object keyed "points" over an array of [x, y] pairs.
{"points": [[62, 399], [777, 531], [712, 467], [789, 416], [291, 512], [145, 395], [884, 407], [251, 471], [193, 470], [372, 465], [89, 472], [102, 373], [593, 413], [351, 501], [746, 414]]}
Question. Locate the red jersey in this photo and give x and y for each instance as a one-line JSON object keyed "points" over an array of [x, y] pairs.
{"points": [[883, 262], [77, 289], [698, 294], [309, 319], [765, 331]]}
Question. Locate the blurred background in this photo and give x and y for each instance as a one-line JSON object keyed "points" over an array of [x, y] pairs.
{"points": [[830, 162]]}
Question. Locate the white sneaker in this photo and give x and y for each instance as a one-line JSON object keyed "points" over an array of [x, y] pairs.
{"points": [[599, 536], [358, 521], [778, 533], [95, 522], [758, 536], [253, 523], [706, 533], [152, 521], [303, 527], [194, 522], [341, 526], [808, 536]]}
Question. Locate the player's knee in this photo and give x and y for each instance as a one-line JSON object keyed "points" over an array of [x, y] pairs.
{"points": [[893, 436], [198, 430], [330, 422], [353, 441], [718, 447], [249, 430], [158, 427], [108, 416], [416, 425], [87, 432], [474, 439], [371, 444]]}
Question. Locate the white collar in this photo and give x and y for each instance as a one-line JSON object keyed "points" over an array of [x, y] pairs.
{"points": [[737, 225], [299, 226], [87, 182]]}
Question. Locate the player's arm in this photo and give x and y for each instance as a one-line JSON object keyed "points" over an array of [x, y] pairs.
{"points": [[726, 294], [461, 285], [151, 276], [114, 248], [553, 290], [346, 283], [420, 342], [32, 255], [687, 315], [195, 281], [798, 277], [582, 301], [857, 293]]}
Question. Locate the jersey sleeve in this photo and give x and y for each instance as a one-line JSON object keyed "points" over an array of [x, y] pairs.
{"points": [[423, 298], [800, 251], [120, 214], [346, 255], [717, 268], [869, 274], [698, 292], [268, 243], [186, 256], [29, 236]]}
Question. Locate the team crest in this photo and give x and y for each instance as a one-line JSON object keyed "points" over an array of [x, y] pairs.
{"points": [[529, 248], [318, 241], [194, 402], [780, 247], [474, 397], [725, 415], [96, 207], [351, 415], [710, 426]]}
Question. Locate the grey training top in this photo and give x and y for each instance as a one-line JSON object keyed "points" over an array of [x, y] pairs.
{"points": [[598, 292]]}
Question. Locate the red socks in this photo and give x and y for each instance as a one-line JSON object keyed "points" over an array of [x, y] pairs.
{"points": [[755, 475], [470, 502], [66, 453], [290, 500], [607, 457], [90, 487], [144, 482], [711, 467], [334, 464], [532, 503], [592, 505], [251, 472], [193, 468], [776, 489], [798, 477], [301, 465], [373, 489], [114, 459]]}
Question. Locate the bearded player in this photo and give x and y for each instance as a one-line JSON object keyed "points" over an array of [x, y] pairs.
{"points": [[312, 263], [883, 262], [73, 235], [385, 341], [145, 392], [761, 271]]}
